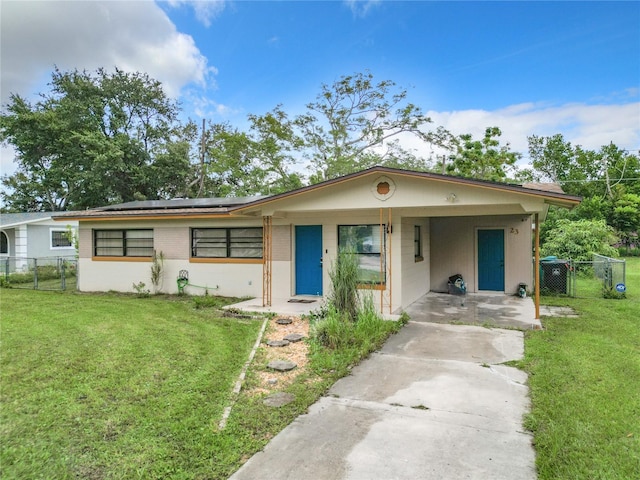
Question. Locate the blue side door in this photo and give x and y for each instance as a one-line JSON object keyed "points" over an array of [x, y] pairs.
{"points": [[491, 260], [309, 259]]}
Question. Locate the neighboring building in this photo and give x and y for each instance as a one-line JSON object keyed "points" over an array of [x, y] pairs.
{"points": [[410, 230], [33, 235]]}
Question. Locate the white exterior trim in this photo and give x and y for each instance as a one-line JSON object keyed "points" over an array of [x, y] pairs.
{"points": [[21, 247], [63, 230]]}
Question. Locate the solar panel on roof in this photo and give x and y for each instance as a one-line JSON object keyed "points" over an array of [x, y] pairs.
{"points": [[182, 203]]}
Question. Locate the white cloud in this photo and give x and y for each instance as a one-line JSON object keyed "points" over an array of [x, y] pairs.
{"points": [[204, 107], [134, 36], [36, 36], [7, 155], [360, 8], [591, 126], [205, 10]]}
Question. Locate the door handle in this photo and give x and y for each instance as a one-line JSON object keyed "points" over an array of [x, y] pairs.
{"points": [[321, 262]]}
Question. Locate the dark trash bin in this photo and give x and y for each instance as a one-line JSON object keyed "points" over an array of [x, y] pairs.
{"points": [[554, 274], [456, 285]]}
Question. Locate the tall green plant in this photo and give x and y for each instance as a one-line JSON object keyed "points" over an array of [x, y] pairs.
{"points": [[344, 277]]}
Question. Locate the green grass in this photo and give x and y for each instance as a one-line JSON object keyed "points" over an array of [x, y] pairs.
{"points": [[107, 386], [115, 386], [338, 343], [584, 376]]}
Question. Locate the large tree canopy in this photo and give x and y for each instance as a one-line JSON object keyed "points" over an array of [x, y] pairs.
{"points": [[258, 161], [352, 123], [94, 139], [580, 239], [607, 179], [485, 159], [608, 172], [101, 138]]}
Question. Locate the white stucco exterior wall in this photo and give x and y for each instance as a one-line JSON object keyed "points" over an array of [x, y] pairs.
{"points": [[454, 250], [414, 275]]}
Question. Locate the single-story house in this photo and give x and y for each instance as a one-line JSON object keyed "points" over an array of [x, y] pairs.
{"points": [[34, 235], [410, 231]]}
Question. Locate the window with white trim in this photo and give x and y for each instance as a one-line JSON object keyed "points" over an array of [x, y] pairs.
{"points": [[367, 242], [60, 238], [237, 242], [123, 243]]}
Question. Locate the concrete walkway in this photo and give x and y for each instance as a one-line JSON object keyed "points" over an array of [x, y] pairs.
{"points": [[433, 403]]}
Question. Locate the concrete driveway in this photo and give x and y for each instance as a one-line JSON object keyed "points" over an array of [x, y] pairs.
{"points": [[433, 403]]}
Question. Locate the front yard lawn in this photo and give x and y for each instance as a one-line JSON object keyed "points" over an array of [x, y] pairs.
{"points": [[112, 386], [584, 376]]}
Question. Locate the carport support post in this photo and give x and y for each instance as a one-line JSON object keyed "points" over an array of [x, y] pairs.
{"points": [[536, 267], [267, 259]]}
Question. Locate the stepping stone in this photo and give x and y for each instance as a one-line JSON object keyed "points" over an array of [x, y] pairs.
{"points": [[284, 321], [281, 365], [278, 343], [294, 337], [279, 399]]}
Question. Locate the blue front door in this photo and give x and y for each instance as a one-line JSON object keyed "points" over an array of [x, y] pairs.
{"points": [[309, 260], [491, 260]]}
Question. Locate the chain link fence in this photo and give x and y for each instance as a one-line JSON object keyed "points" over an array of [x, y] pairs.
{"points": [[612, 273], [45, 273], [555, 276], [600, 277]]}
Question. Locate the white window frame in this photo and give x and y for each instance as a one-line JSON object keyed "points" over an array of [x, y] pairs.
{"points": [[63, 230]]}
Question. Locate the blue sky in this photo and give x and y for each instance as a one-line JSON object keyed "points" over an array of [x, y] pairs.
{"points": [[527, 67], [456, 55]]}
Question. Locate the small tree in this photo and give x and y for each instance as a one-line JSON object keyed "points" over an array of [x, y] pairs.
{"points": [[580, 239], [157, 267]]}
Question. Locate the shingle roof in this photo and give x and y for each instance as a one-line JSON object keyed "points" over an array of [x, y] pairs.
{"points": [[13, 219], [227, 206], [182, 203], [545, 187], [136, 213]]}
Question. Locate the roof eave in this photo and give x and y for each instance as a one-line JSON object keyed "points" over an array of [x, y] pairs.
{"points": [[560, 198]]}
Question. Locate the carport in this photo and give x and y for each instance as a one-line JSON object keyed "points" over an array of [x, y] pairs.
{"points": [[486, 309]]}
